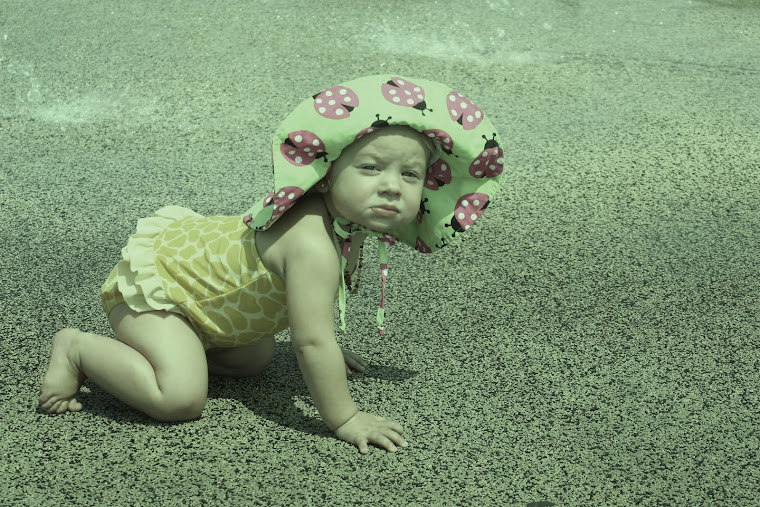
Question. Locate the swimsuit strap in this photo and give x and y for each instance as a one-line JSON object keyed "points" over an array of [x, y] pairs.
{"points": [[384, 242]]}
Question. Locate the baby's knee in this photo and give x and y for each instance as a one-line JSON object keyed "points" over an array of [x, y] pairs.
{"points": [[178, 408]]}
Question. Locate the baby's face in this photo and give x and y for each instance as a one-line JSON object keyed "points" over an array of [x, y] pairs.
{"points": [[385, 169]]}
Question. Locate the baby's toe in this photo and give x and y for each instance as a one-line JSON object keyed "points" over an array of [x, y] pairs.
{"points": [[48, 403], [45, 402], [52, 406]]}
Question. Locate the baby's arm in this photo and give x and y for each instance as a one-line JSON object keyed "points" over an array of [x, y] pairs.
{"points": [[311, 283]]}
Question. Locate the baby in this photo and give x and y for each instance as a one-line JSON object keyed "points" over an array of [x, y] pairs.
{"points": [[194, 295]]}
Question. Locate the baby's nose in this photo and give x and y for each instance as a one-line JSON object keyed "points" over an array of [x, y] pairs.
{"points": [[391, 182]]}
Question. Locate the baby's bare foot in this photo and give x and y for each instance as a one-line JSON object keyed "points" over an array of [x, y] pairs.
{"points": [[63, 378]]}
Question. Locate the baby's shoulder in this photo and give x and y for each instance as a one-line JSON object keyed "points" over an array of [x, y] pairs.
{"points": [[304, 230], [306, 222]]}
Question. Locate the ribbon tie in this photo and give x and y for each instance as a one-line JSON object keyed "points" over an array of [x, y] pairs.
{"points": [[384, 242]]}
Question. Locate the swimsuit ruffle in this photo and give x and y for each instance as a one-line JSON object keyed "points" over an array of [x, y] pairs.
{"points": [[141, 283]]}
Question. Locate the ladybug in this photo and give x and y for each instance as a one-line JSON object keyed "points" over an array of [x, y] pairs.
{"points": [[421, 247], [443, 138], [490, 162], [443, 243], [422, 211], [438, 175], [282, 200], [248, 219], [336, 103], [388, 240], [376, 125], [302, 148], [347, 247], [403, 93], [468, 209], [463, 111]]}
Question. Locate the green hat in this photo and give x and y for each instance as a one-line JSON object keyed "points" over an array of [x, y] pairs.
{"points": [[458, 186]]}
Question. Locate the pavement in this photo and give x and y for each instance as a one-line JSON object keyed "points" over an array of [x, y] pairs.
{"points": [[593, 340]]}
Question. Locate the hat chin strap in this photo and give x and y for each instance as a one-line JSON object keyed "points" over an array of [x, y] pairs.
{"points": [[384, 242]]}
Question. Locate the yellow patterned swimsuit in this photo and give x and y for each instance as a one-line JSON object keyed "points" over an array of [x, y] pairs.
{"points": [[206, 269]]}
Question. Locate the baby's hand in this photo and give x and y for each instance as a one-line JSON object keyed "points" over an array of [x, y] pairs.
{"points": [[353, 361], [363, 429]]}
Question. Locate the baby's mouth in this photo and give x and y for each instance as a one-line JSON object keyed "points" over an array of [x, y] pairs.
{"points": [[384, 211]]}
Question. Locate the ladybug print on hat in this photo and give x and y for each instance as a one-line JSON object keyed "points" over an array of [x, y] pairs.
{"points": [[463, 111], [423, 210], [490, 163], [443, 138], [302, 148], [406, 94], [282, 201], [438, 175], [468, 209], [376, 125], [422, 247], [248, 219], [336, 103]]}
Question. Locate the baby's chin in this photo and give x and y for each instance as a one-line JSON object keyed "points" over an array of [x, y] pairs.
{"points": [[384, 226]]}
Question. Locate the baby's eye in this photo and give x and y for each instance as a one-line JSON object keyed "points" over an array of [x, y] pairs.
{"points": [[370, 167], [412, 174]]}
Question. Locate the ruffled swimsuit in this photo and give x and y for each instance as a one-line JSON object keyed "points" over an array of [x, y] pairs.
{"points": [[206, 269]]}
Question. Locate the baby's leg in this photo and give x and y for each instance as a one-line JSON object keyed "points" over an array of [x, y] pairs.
{"points": [[158, 365]]}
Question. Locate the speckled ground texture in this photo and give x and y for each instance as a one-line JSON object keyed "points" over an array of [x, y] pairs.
{"points": [[592, 341]]}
